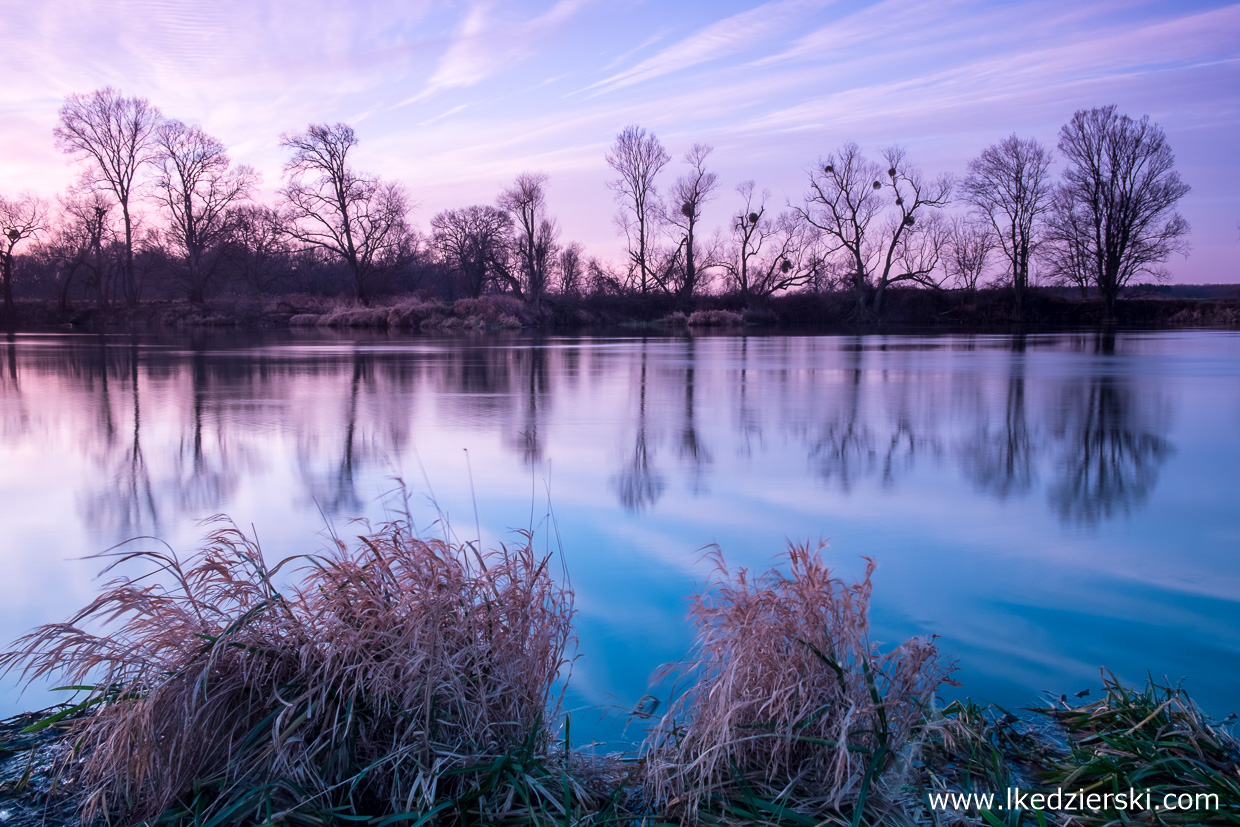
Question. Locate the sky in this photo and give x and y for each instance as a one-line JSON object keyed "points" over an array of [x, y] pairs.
{"points": [[454, 99]]}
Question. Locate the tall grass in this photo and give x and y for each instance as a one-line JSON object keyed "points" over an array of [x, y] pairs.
{"points": [[409, 681], [790, 708], [1153, 738], [400, 676]]}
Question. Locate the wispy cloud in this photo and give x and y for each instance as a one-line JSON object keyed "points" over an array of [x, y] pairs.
{"points": [[728, 37], [640, 47], [486, 45], [856, 81], [444, 115]]}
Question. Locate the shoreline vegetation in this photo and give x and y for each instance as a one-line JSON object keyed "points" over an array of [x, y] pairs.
{"points": [[162, 212], [408, 681], [991, 308]]}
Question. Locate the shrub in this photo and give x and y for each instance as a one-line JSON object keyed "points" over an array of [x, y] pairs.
{"points": [[714, 318], [788, 701], [413, 313], [490, 310], [357, 317], [675, 319], [304, 320], [380, 684], [759, 316]]}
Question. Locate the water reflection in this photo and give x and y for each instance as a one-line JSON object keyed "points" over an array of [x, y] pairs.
{"points": [[119, 496], [862, 413], [663, 444], [692, 448], [639, 483], [1110, 448], [999, 457]]}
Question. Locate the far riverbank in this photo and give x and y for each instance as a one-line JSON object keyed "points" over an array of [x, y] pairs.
{"points": [[1045, 309]]}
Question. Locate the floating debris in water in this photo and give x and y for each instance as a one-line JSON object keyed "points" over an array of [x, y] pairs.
{"points": [[646, 706]]}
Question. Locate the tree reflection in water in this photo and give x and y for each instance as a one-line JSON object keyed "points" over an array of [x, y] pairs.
{"points": [[204, 479], [970, 459], [861, 409], [882, 421], [692, 449], [122, 496], [1000, 460], [1109, 452], [639, 483]]}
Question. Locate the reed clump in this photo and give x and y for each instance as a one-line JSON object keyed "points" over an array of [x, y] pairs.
{"points": [[790, 709], [398, 676], [491, 311], [714, 318]]}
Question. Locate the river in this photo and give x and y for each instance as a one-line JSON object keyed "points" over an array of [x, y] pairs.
{"points": [[1047, 505]]}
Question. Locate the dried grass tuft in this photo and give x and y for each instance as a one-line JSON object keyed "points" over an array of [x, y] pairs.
{"points": [[353, 316], [789, 703], [305, 320], [414, 313], [496, 311], [674, 319], [715, 318], [380, 684]]}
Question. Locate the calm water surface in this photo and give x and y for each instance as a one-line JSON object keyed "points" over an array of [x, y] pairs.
{"points": [[1047, 505]]}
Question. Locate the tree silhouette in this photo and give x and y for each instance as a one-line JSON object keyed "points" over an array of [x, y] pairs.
{"points": [[637, 157], [116, 135], [474, 243], [1114, 215], [846, 203], [197, 185], [20, 219], [1009, 186], [358, 218], [684, 211], [526, 202]]}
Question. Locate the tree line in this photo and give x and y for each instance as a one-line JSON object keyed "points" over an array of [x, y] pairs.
{"points": [[161, 210]]}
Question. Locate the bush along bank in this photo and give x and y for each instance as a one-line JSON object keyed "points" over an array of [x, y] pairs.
{"points": [[987, 308], [411, 681]]}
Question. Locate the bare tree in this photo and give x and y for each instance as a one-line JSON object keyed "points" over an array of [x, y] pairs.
{"points": [[197, 185], [846, 202], [1009, 185], [259, 246], [637, 157], [526, 201], [83, 239], [1116, 211], [842, 203], [970, 243], [1068, 254], [474, 243], [20, 218], [603, 280], [748, 237], [571, 268], [768, 255], [684, 211], [329, 205], [117, 136]]}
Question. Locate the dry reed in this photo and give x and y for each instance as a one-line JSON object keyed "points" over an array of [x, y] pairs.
{"points": [[396, 677], [715, 318], [491, 310], [789, 706]]}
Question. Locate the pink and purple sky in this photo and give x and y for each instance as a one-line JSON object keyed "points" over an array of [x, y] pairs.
{"points": [[454, 99]]}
